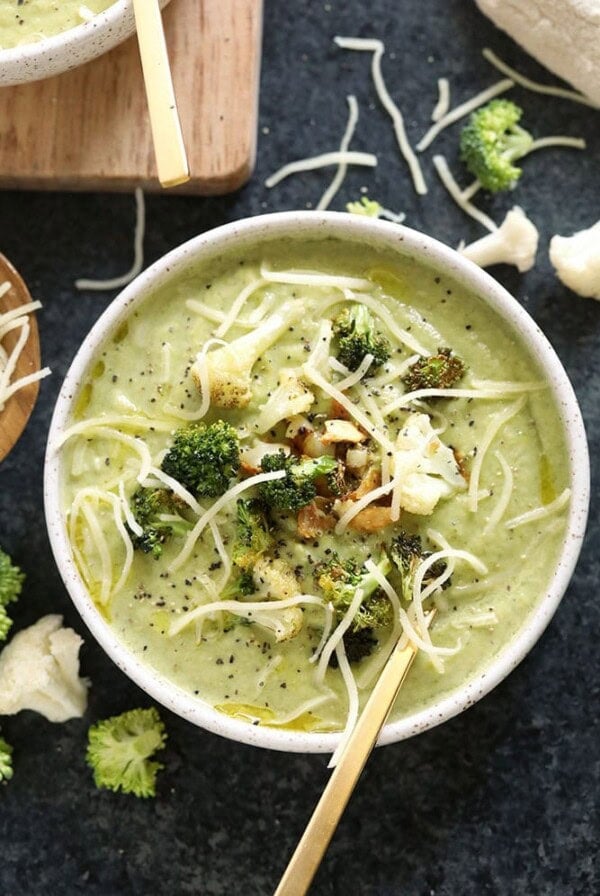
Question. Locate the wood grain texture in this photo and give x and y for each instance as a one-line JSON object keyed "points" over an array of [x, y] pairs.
{"points": [[89, 129], [19, 407]]}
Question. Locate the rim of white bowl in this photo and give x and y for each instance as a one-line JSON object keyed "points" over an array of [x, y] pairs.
{"points": [[117, 20], [282, 225]]}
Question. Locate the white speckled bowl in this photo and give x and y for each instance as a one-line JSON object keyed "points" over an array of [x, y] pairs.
{"points": [[62, 52], [393, 238]]}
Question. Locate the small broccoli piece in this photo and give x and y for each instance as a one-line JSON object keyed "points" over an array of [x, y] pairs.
{"points": [[253, 533], [11, 583], [364, 206], [229, 367], [406, 553], [204, 458], [439, 371], [354, 329], [491, 141], [340, 579], [297, 488], [149, 506], [240, 586], [357, 644], [119, 751], [6, 768]]}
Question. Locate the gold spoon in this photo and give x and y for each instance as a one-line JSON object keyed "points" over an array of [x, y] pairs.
{"points": [[169, 149], [19, 406], [334, 799]]}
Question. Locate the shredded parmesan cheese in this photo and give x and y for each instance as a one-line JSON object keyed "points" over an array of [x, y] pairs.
{"points": [[535, 86], [377, 48], [494, 426], [540, 513], [329, 194], [313, 163], [352, 691], [446, 177], [502, 502], [15, 319], [138, 254], [443, 103]]}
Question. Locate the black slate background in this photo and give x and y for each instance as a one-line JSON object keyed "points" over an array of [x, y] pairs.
{"points": [[501, 800]]}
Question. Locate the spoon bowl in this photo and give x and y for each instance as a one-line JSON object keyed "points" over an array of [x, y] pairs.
{"points": [[18, 408]]}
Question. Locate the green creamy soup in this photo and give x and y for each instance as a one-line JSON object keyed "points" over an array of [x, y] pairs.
{"points": [[478, 471], [28, 21]]}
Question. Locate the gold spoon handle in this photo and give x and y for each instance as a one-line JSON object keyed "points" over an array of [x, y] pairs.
{"points": [[334, 799], [169, 149]]}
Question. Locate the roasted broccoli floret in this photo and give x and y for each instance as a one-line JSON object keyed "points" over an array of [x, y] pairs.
{"points": [[297, 488], [241, 585], [6, 768], [204, 458], [356, 336], [119, 751], [491, 141], [406, 553], [339, 581], [357, 644], [11, 583], [253, 533], [158, 512], [439, 371], [229, 367]]}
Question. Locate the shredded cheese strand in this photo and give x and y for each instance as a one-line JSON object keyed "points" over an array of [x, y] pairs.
{"points": [[446, 177], [490, 393], [493, 428], [338, 634], [403, 336], [314, 278], [138, 253], [540, 513], [87, 426], [464, 109], [331, 191], [535, 86], [215, 508], [313, 163], [443, 104], [241, 608], [356, 507], [377, 48], [548, 142], [355, 376], [236, 307], [352, 691], [502, 502]]}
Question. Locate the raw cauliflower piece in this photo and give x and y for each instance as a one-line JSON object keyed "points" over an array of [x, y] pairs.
{"points": [[39, 670], [577, 260], [427, 468], [564, 35]]}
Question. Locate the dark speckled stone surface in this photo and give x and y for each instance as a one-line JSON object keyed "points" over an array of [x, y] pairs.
{"points": [[503, 799]]}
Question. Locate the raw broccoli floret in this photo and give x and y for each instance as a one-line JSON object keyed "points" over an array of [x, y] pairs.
{"points": [[204, 458], [339, 581], [253, 533], [149, 507], [229, 367], [119, 751], [11, 583], [490, 143], [297, 488], [439, 371], [406, 553], [6, 767], [356, 336]]}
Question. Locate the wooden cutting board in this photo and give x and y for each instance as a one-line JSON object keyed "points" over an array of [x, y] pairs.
{"points": [[88, 129]]}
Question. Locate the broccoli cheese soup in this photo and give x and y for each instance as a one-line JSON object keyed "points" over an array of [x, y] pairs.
{"points": [[28, 21], [283, 457]]}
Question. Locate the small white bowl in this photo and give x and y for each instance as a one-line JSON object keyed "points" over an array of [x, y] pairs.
{"points": [[391, 238], [69, 49]]}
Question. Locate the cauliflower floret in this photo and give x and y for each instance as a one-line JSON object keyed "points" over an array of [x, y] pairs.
{"points": [[228, 369], [514, 242], [39, 670], [290, 398], [427, 468], [275, 580], [577, 260]]}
